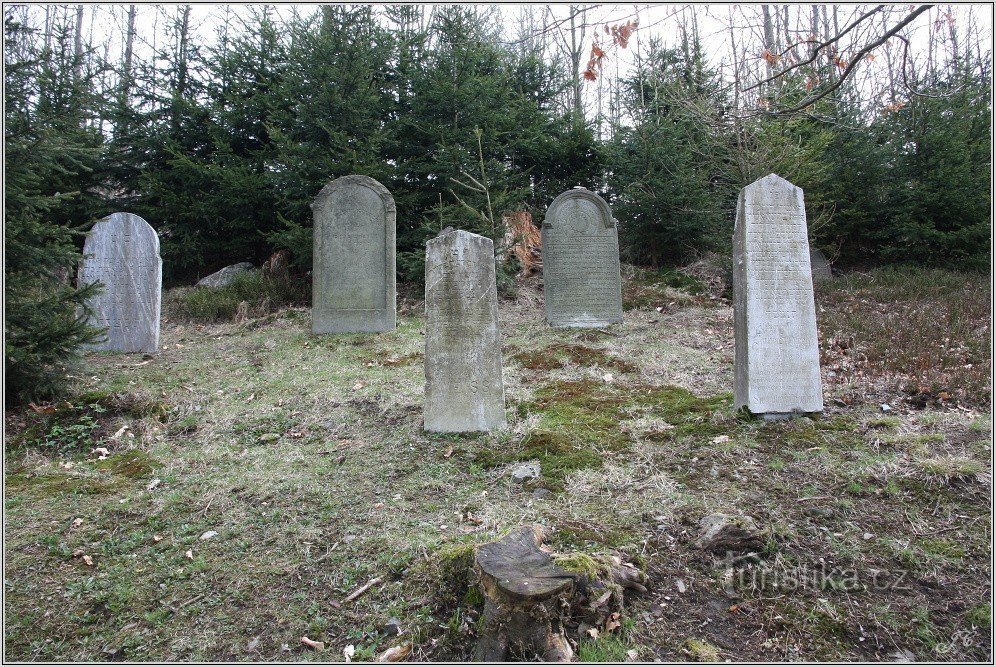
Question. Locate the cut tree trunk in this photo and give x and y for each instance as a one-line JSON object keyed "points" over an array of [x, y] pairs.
{"points": [[531, 604], [525, 595]]}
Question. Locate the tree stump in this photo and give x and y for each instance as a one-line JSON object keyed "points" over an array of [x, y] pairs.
{"points": [[526, 596]]}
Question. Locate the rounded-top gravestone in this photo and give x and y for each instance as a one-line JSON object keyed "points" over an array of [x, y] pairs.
{"points": [[819, 265], [581, 283], [122, 253], [353, 275]]}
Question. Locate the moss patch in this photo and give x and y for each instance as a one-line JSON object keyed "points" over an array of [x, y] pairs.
{"points": [[579, 423], [133, 464], [560, 355]]}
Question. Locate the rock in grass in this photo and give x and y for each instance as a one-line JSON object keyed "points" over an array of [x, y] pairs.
{"points": [[225, 276], [723, 532], [820, 512], [269, 437], [392, 628], [525, 472]]}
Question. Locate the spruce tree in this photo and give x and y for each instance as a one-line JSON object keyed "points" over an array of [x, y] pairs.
{"points": [[50, 154]]}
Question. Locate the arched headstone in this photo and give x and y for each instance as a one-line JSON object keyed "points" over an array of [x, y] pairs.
{"points": [[777, 356], [463, 366], [820, 265], [353, 273], [122, 253], [581, 283]]}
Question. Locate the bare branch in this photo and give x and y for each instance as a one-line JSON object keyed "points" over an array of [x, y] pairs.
{"points": [[816, 49], [857, 58], [906, 83]]}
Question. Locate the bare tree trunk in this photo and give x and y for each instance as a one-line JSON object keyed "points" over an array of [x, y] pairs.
{"points": [[181, 67], [78, 60], [769, 40], [890, 67], [49, 12], [954, 47], [129, 50], [577, 37]]}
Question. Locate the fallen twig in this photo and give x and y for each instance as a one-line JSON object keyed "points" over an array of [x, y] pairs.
{"points": [[362, 589]]}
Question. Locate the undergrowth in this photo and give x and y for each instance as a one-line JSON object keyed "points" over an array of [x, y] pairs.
{"points": [[261, 294]]}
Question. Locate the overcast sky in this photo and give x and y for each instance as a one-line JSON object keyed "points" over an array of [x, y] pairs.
{"points": [[106, 25]]}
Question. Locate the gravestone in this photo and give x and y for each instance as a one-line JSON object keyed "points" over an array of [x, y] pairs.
{"points": [[353, 273], [122, 252], [463, 365], [820, 265], [581, 283], [777, 357]]}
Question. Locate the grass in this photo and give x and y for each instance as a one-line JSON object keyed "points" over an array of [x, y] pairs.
{"points": [[664, 288], [351, 490], [253, 292]]}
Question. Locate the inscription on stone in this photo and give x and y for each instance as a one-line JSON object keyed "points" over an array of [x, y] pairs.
{"points": [[777, 361], [581, 283], [353, 273], [122, 253], [463, 365]]}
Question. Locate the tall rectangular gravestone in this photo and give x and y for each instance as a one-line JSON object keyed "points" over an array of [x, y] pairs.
{"points": [[777, 357], [581, 284], [122, 253], [463, 365], [353, 272]]}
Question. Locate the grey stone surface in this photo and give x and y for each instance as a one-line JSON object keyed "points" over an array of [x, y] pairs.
{"points": [[463, 365], [353, 273], [819, 265], [122, 253], [726, 532], [525, 471], [777, 359], [224, 276], [581, 283]]}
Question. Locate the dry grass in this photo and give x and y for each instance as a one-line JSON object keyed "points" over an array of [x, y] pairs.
{"points": [[923, 334], [306, 455]]}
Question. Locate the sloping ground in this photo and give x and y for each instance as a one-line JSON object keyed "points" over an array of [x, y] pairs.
{"points": [[256, 475]]}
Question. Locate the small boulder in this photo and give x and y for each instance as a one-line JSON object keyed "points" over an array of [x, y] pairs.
{"points": [[723, 532], [225, 276], [392, 628], [525, 472]]}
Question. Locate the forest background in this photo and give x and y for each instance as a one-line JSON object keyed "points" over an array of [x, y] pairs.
{"points": [[468, 113]]}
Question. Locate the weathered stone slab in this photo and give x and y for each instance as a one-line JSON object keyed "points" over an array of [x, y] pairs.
{"points": [[122, 253], [463, 365], [581, 283], [777, 367], [819, 265], [225, 276], [353, 274]]}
